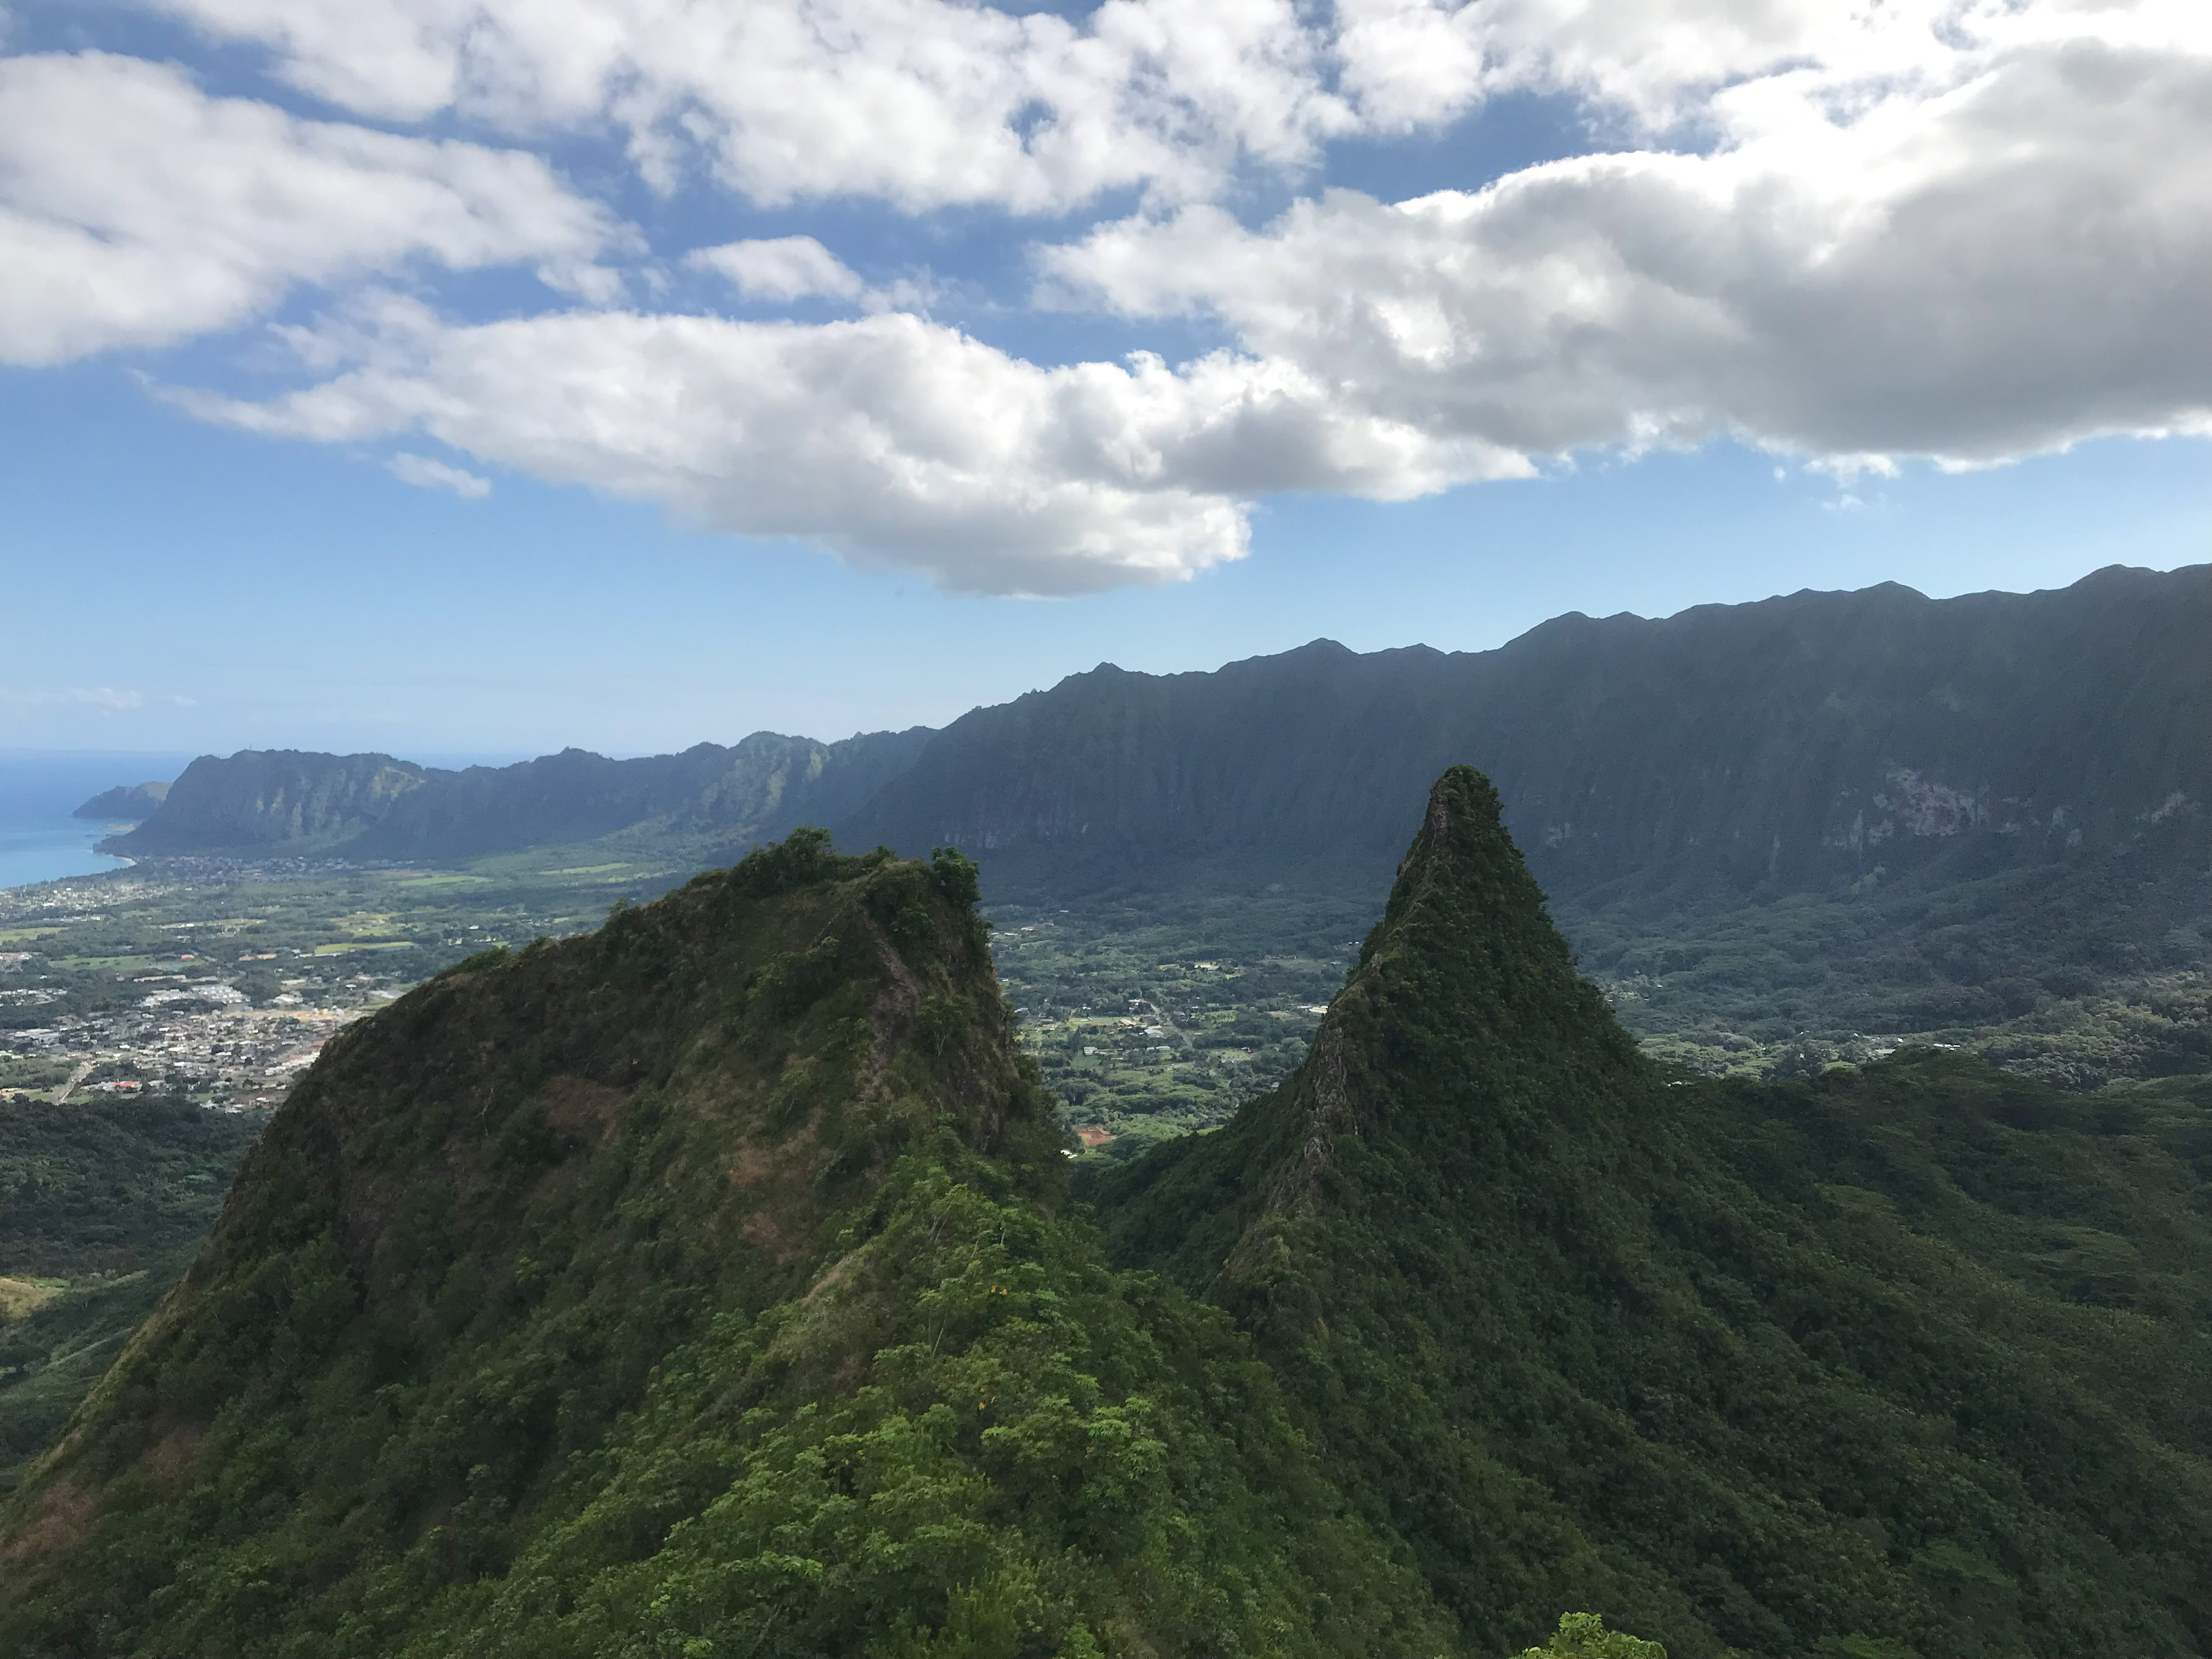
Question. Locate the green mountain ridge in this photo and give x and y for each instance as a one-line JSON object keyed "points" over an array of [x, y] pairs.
{"points": [[701, 1285], [709, 1284], [1797, 743], [1785, 745], [1790, 1369]]}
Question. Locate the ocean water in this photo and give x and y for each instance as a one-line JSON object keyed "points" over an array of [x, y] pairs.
{"points": [[39, 790]]}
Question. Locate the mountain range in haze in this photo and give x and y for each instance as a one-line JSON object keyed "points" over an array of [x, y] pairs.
{"points": [[1788, 745], [1834, 818]]}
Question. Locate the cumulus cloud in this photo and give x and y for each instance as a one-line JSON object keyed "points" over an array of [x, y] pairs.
{"points": [[1409, 63], [1959, 230], [2003, 263], [890, 440], [922, 103], [925, 103], [135, 209], [784, 269], [425, 473]]}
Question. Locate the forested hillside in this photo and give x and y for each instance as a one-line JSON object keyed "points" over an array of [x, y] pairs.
{"points": [[1906, 1359], [702, 1286], [102, 1204], [709, 1284]]}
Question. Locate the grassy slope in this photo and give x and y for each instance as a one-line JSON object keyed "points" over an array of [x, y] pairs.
{"points": [[1903, 1361], [699, 1285]]}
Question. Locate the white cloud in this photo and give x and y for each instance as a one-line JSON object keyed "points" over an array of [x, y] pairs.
{"points": [[425, 473], [1660, 63], [1406, 63], [136, 211], [925, 103], [782, 270], [922, 103], [1850, 230], [2007, 261], [890, 440]]}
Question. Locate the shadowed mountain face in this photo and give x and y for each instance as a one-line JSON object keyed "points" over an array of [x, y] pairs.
{"points": [[702, 1285], [286, 802], [1783, 1369], [278, 801], [1791, 742], [131, 800], [1794, 744]]}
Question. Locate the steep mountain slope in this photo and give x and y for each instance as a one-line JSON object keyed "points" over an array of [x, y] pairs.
{"points": [[102, 1204], [1800, 742], [700, 1285], [1796, 742], [1909, 1360], [259, 800], [716, 799]]}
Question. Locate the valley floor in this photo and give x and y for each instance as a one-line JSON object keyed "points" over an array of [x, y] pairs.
{"points": [[217, 981]]}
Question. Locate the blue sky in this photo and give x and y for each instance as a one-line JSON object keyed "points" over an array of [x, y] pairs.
{"points": [[429, 376]]}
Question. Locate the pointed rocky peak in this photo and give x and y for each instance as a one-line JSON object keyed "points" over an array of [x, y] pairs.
{"points": [[1463, 872], [1466, 948], [1464, 987], [1463, 1044]]}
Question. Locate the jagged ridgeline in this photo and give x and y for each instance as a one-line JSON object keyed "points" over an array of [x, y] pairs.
{"points": [[1910, 1361], [701, 1286]]}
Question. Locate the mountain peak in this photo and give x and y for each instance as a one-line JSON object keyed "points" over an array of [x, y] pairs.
{"points": [[700, 1285], [1464, 1005], [1576, 1339], [1462, 837]]}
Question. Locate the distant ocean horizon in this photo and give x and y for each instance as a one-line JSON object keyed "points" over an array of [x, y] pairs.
{"points": [[39, 790]]}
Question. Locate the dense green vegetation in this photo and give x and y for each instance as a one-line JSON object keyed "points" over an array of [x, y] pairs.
{"points": [[1780, 834], [105, 1185], [101, 1205], [701, 1285], [1903, 1359], [2022, 967], [709, 1285]]}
